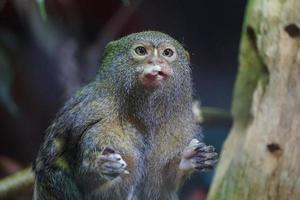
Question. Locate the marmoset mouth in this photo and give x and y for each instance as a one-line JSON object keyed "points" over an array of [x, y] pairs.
{"points": [[154, 75], [161, 73], [157, 74], [153, 79]]}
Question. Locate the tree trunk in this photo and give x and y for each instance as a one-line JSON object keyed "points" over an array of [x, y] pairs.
{"points": [[261, 157]]}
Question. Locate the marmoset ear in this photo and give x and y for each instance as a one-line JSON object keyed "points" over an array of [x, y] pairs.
{"points": [[110, 47], [187, 55], [108, 54]]}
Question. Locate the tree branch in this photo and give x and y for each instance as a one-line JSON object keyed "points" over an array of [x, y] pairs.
{"points": [[18, 182]]}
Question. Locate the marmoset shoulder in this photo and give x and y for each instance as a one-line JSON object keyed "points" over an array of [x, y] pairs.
{"points": [[130, 133]]}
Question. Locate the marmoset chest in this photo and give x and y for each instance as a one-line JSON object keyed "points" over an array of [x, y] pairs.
{"points": [[146, 156]]}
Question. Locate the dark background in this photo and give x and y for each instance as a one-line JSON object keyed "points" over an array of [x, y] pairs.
{"points": [[44, 59]]}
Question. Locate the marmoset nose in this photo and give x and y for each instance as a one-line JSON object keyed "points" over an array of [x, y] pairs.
{"points": [[155, 61]]}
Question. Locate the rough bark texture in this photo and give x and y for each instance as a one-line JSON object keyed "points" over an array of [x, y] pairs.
{"points": [[261, 157]]}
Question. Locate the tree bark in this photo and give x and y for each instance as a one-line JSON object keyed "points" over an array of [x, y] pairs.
{"points": [[261, 157]]}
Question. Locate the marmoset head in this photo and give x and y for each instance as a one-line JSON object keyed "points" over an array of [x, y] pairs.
{"points": [[147, 59]]}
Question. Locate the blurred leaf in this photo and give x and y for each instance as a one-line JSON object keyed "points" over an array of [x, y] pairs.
{"points": [[42, 9], [5, 85]]}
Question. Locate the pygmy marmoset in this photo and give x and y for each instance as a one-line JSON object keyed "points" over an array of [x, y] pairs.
{"points": [[129, 133]]}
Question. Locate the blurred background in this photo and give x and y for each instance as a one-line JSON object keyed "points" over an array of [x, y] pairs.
{"points": [[50, 48]]}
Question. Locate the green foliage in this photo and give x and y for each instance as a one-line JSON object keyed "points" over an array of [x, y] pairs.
{"points": [[42, 9]]}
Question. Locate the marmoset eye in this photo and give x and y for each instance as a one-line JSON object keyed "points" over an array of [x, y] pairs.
{"points": [[168, 52], [140, 50]]}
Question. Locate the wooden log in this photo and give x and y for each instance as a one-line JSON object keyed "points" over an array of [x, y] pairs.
{"points": [[261, 157]]}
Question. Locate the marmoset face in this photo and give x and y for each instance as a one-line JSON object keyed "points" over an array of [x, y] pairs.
{"points": [[154, 62], [147, 62]]}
